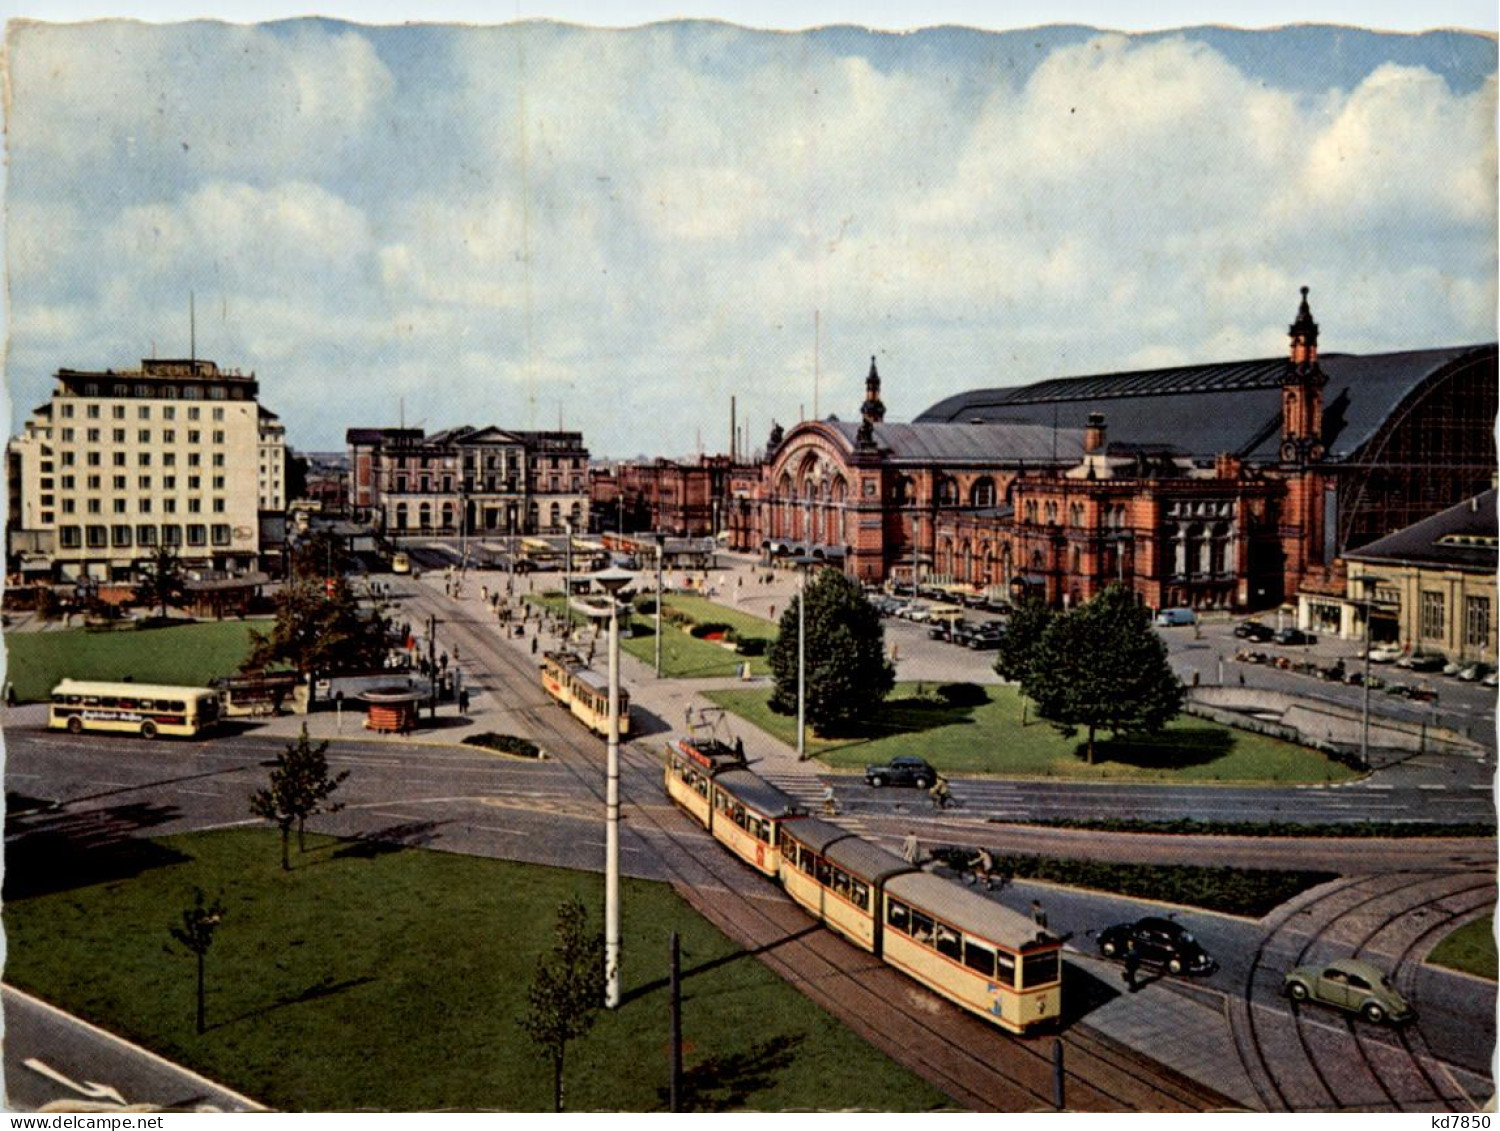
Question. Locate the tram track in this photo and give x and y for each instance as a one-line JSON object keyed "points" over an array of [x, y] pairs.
{"points": [[971, 1062], [1302, 1078]]}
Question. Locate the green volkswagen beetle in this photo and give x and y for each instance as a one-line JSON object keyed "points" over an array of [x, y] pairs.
{"points": [[1351, 984]]}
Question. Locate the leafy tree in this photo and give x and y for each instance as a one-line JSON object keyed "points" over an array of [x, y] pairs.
{"points": [[199, 922], [568, 991], [161, 582], [318, 632], [847, 670], [1024, 629], [1101, 667], [298, 788], [319, 555]]}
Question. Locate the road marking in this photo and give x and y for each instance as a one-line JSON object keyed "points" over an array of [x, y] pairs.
{"points": [[1433, 788], [87, 1088], [1385, 786], [138, 1050]]}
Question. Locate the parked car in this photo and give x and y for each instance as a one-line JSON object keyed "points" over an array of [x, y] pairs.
{"points": [[1384, 653], [1294, 636], [985, 636], [903, 770], [1254, 630], [1158, 942], [1351, 984], [1490, 679], [1422, 662], [948, 628], [1175, 618]]}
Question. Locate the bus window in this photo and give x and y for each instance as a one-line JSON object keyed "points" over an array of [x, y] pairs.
{"points": [[1005, 968], [949, 942], [859, 894], [898, 916], [841, 883], [1039, 969], [979, 957], [921, 927]]}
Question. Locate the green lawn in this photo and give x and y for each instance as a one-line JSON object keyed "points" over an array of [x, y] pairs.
{"points": [[189, 654], [991, 739], [684, 656], [372, 977], [1471, 949]]}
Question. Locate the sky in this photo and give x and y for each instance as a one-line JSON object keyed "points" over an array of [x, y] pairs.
{"points": [[619, 229]]}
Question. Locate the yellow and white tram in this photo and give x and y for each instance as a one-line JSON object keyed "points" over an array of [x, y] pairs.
{"points": [[977, 953], [569, 680], [836, 875], [988, 958], [747, 812]]}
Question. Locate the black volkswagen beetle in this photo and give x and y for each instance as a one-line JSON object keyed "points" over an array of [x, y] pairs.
{"points": [[1158, 942]]}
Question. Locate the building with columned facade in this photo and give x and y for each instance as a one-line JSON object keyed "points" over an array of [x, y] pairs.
{"points": [[1232, 485]]}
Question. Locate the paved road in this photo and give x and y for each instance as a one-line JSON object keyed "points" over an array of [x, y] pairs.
{"points": [[457, 799], [53, 1058]]}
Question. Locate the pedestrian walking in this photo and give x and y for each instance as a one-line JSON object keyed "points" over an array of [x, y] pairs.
{"points": [[830, 806], [911, 852], [941, 795], [1038, 914], [1132, 965], [533, 645], [463, 700]]}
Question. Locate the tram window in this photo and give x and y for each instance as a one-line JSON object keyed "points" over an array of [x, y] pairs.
{"points": [[91, 700], [981, 958], [701, 785], [1038, 969], [108, 701], [807, 860], [921, 927], [788, 845], [841, 883], [825, 873], [128, 704], [739, 815], [949, 942], [898, 915], [1005, 968], [859, 895]]}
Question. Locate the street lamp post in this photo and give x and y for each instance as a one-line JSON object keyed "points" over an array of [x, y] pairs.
{"points": [[612, 581], [915, 519], [1367, 584], [660, 552], [568, 570], [802, 564]]}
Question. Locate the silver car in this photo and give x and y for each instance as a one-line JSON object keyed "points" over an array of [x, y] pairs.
{"points": [[1350, 984]]}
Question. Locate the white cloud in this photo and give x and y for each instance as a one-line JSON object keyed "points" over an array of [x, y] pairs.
{"points": [[641, 224]]}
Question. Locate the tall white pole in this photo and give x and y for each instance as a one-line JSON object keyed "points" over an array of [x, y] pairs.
{"points": [[612, 819], [658, 608], [802, 665], [1364, 722]]}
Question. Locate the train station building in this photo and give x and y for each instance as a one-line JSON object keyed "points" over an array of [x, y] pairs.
{"points": [[1232, 485]]}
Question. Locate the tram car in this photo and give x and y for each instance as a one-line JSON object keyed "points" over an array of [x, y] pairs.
{"points": [[569, 680], [989, 959], [980, 955], [834, 875]]}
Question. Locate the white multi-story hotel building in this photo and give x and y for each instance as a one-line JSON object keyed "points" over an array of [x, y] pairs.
{"points": [[177, 453]]}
